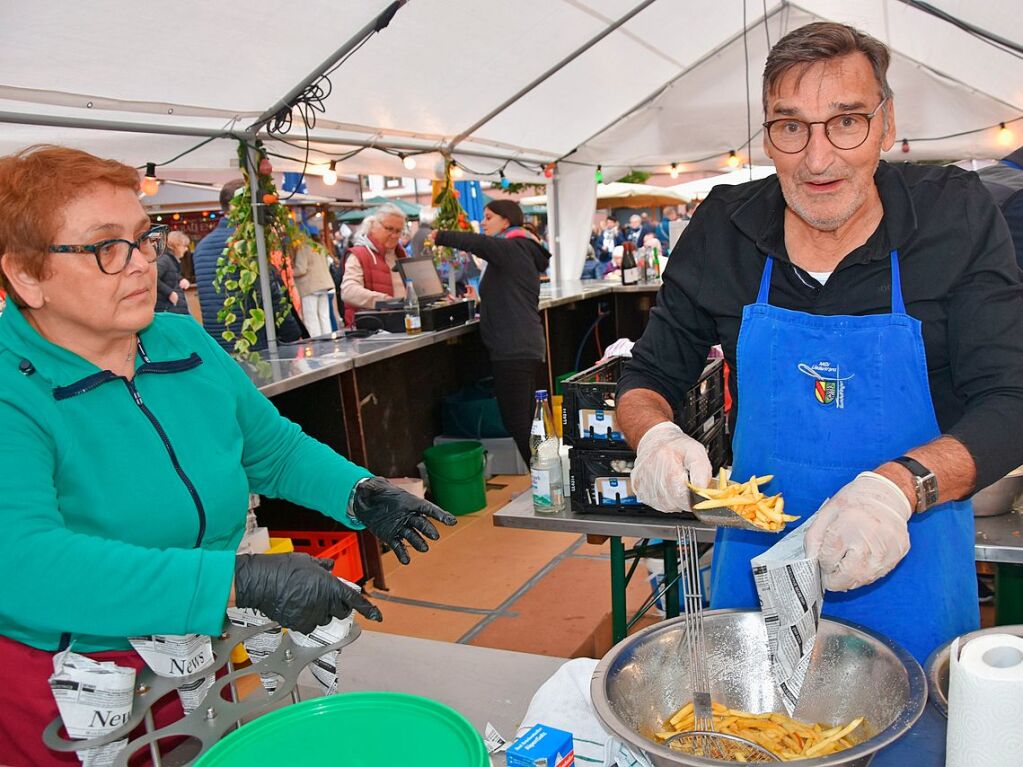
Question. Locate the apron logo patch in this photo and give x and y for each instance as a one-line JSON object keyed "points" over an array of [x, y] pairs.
{"points": [[828, 382]]}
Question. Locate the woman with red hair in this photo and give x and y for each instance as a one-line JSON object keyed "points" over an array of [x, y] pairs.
{"points": [[119, 518]]}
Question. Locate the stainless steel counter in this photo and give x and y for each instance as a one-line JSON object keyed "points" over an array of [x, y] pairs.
{"points": [[296, 365], [569, 291], [998, 539]]}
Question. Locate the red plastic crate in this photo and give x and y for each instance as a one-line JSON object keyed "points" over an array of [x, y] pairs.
{"points": [[347, 558], [342, 547], [311, 541]]}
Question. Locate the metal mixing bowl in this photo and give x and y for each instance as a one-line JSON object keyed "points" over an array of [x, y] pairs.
{"points": [[937, 664], [854, 672]]}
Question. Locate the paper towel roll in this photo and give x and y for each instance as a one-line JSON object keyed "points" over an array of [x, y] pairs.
{"points": [[985, 702]]}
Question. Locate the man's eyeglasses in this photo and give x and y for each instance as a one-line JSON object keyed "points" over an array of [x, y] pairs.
{"points": [[112, 256], [395, 230], [845, 131]]}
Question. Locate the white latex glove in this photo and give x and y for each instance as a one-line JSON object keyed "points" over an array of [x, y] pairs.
{"points": [[666, 460], [861, 533]]}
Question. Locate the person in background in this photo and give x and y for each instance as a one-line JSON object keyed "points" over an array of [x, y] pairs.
{"points": [[874, 313], [170, 285], [204, 259], [637, 229], [664, 226], [371, 273], [610, 236], [426, 218], [510, 325], [314, 283], [112, 538], [591, 266], [612, 267]]}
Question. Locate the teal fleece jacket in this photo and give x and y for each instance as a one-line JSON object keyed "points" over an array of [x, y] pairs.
{"points": [[122, 502]]}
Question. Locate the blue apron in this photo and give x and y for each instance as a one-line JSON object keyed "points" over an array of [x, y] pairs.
{"points": [[822, 399]]}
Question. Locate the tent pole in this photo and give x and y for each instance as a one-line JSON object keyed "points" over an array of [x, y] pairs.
{"points": [[54, 121], [549, 73], [554, 228], [377, 24], [252, 160]]}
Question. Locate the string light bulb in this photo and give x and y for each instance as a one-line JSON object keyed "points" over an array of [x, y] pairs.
{"points": [[548, 170], [505, 183], [733, 159], [674, 170], [330, 175], [408, 162], [905, 145], [456, 171], [150, 186], [1005, 137], [599, 175]]}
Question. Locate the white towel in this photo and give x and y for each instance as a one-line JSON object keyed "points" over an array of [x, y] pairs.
{"points": [[563, 702]]}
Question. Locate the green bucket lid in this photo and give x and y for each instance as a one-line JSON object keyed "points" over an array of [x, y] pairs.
{"points": [[356, 729]]}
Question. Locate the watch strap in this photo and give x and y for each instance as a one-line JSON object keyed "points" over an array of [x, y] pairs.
{"points": [[924, 481]]}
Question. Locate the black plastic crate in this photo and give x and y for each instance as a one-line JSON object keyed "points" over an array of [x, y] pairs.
{"points": [[704, 399], [599, 482], [588, 411], [715, 439]]}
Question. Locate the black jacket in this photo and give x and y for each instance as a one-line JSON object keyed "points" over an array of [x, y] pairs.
{"points": [[1005, 182], [509, 292], [168, 279], [205, 258], [959, 278]]}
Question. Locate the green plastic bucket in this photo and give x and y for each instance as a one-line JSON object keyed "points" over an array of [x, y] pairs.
{"points": [[456, 476], [357, 729]]}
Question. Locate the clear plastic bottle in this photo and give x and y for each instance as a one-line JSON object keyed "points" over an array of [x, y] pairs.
{"points": [[413, 320], [545, 460]]}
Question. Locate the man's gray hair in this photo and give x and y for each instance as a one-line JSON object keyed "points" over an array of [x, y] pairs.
{"points": [[824, 41], [365, 226]]}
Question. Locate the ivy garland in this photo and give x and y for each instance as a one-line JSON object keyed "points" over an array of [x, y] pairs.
{"points": [[237, 276]]}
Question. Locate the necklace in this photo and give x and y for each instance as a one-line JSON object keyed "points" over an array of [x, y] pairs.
{"points": [[130, 359]]}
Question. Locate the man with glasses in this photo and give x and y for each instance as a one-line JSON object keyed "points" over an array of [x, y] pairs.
{"points": [[874, 315], [371, 274]]}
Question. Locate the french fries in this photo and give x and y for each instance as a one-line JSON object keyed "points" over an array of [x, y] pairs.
{"points": [[746, 500], [787, 738]]}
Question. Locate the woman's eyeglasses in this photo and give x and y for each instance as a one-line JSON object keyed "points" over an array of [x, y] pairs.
{"points": [[112, 256]]}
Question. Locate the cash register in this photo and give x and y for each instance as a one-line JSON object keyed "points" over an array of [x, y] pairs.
{"points": [[436, 312]]}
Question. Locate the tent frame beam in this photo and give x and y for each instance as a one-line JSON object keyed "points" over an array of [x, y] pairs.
{"points": [[548, 74]]}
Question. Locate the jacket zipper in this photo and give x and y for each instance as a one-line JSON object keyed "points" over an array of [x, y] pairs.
{"points": [[173, 456]]}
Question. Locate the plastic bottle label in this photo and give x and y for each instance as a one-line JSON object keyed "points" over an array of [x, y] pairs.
{"points": [[541, 487], [537, 429]]}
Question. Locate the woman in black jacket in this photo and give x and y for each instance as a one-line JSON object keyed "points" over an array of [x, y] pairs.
{"points": [[510, 323]]}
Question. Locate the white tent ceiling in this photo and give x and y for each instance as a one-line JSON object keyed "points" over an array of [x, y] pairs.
{"points": [[668, 85]]}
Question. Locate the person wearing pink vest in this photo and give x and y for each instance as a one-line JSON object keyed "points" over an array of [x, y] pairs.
{"points": [[370, 273]]}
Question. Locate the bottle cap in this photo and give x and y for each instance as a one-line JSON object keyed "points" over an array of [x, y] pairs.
{"points": [[541, 394]]}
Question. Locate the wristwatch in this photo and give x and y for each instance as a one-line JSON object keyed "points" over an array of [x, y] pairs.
{"points": [[924, 481]]}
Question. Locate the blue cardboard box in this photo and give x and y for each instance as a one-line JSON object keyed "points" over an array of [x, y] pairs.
{"points": [[542, 746]]}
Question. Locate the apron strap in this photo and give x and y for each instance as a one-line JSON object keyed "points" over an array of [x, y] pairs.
{"points": [[765, 282], [898, 305]]}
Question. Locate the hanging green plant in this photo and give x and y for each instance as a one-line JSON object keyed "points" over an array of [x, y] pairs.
{"points": [[237, 277], [450, 216]]}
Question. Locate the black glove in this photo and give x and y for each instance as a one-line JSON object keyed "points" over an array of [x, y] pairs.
{"points": [[391, 515], [298, 591]]}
